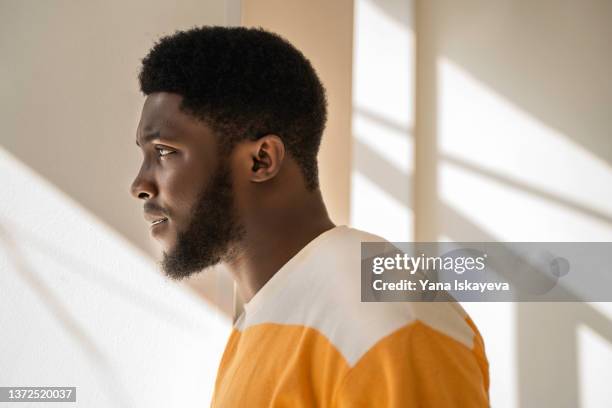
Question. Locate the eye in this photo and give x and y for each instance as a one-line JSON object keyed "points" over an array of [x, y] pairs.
{"points": [[163, 151]]}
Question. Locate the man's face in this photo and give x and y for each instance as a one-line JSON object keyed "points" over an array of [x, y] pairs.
{"points": [[186, 187]]}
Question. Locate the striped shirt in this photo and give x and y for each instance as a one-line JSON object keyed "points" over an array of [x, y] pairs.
{"points": [[306, 340]]}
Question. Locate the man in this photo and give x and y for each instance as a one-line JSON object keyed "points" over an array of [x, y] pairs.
{"points": [[230, 131]]}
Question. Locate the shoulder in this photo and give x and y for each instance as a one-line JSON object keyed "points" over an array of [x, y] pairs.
{"points": [[324, 293]]}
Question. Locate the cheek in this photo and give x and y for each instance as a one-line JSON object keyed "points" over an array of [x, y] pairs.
{"points": [[179, 190]]}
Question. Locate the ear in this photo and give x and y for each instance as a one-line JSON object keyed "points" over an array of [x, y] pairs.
{"points": [[267, 154]]}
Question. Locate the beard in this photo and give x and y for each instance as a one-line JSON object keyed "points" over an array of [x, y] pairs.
{"points": [[210, 236]]}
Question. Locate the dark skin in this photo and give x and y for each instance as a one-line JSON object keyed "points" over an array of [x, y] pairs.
{"points": [[279, 215]]}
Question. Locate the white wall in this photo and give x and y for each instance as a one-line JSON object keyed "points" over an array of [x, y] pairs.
{"points": [[82, 303]]}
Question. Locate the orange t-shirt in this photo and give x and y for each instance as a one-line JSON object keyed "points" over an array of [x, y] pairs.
{"points": [[306, 340]]}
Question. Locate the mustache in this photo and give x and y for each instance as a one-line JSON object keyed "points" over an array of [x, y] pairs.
{"points": [[152, 208]]}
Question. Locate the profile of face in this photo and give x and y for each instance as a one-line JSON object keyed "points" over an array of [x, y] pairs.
{"points": [[186, 186]]}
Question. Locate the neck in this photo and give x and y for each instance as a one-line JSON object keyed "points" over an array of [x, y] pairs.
{"points": [[274, 237]]}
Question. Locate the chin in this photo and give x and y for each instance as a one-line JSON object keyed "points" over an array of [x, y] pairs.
{"points": [[167, 245]]}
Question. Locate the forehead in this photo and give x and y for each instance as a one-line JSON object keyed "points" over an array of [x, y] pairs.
{"points": [[161, 115]]}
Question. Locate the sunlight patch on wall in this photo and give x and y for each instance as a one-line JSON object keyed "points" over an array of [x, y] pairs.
{"points": [[497, 325], [595, 367], [509, 213], [84, 308], [381, 213], [383, 88], [515, 177]]}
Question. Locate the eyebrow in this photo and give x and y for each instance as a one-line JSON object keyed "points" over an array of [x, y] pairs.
{"points": [[148, 137]]}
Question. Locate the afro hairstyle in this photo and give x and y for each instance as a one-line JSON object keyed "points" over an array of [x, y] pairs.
{"points": [[244, 83]]}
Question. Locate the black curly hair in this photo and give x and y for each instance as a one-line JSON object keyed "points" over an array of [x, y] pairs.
{"points": [[244, 83]]}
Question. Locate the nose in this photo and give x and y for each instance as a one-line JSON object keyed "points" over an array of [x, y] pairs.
{"points": [[143, 186]]}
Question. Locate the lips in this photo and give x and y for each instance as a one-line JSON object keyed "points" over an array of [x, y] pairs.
{"points": [[155, 218], [159, 221], [158, 226]]}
